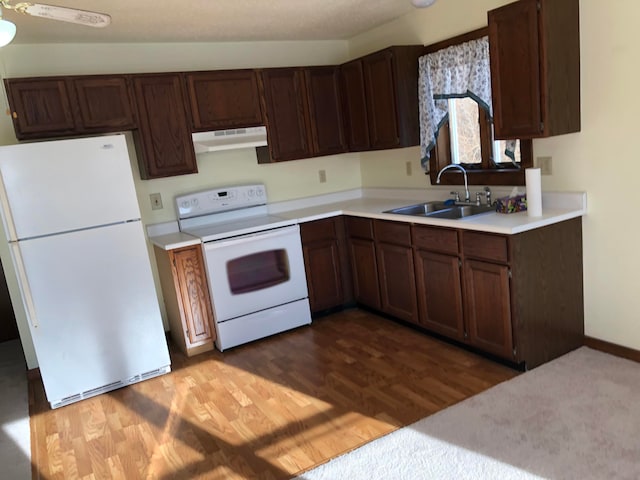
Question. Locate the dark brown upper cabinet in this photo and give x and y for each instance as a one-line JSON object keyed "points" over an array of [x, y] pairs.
{"points": [[224, 99], [389, 80], [40, 107], [535, 68], [163, 138], [62, 106], [303, 112], [104, 103], [287, 118], [325, 110], [354, 106]]}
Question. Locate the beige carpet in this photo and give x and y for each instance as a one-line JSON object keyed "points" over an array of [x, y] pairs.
{"points": [[577, 417], [15, 442]]}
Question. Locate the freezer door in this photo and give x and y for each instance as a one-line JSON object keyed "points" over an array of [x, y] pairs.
{"points": [[94, 314], [65, 185]]}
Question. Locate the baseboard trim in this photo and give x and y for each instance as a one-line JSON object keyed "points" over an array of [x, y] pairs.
{"points": [[612, 348]]}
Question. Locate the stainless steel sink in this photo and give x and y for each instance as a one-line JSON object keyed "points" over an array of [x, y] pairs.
{"points": [[462, 211], [419, 209], [440, 210]]}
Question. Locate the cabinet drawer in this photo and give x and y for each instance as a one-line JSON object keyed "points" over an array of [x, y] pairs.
{"points": [[437, 239], [360, 227], [318, 230], [396, 233], [485, 246]]}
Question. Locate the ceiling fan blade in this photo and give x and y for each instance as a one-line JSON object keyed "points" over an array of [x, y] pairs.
{"points": [[81, 17]]}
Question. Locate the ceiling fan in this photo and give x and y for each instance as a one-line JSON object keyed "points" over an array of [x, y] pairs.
{"points": [[52, 12]]}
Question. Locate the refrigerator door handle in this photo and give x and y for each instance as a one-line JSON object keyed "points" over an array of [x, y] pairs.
{"points": [[7, 218], [23, 282]]}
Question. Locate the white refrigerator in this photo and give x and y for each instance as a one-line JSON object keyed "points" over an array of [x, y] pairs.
{"points": [[73, 225]]}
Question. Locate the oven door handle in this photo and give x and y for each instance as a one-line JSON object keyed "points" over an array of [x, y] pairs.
{"points": [[278, 232]]}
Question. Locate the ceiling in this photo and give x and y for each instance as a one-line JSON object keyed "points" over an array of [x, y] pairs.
{"points": [[148, 21]]}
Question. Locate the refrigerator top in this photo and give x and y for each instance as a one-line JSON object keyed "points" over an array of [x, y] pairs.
{"points": [[59, 186]]}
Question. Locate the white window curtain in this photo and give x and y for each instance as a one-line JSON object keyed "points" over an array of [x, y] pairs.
{"points": [[454, 72]]}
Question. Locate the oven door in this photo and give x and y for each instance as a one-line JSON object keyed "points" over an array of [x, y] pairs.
{"points": [[255, 272]]}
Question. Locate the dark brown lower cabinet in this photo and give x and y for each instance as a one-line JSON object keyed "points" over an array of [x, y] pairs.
{"points": [[488, 307], [518, 297], [438, 284], [186, 297], [395, 270], [364, 265], [326, 263]]}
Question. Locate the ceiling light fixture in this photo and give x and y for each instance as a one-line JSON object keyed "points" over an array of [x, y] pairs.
{"points": [[422, 3], [51, 12], [7, 31]]}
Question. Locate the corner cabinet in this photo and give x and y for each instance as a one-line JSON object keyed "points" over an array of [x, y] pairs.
{"points": [[163, 138], [326, 263], [186, 296], [48, 107], [224, 99], [535, 68], [380, 99]]}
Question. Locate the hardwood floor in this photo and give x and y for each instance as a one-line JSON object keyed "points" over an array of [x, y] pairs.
{"points": [[268, 410]]}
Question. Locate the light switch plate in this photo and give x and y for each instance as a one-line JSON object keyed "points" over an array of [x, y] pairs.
{"points": [[156, 201]]}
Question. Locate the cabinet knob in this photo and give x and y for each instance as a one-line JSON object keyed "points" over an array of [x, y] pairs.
{"points": [[14, 114]]}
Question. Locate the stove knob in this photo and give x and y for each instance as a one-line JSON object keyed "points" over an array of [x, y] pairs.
{"points": [[260, 192]]}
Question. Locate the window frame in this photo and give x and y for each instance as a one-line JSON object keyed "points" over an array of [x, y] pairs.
{"points": [[441, 154]]}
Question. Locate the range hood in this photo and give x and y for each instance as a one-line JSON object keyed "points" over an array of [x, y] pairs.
{"points": [[229, 139]]}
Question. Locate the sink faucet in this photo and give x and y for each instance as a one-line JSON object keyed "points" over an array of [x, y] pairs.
{"points": [[467, 197]]}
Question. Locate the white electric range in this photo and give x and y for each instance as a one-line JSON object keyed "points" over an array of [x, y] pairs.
{"points": [[254, 262]]}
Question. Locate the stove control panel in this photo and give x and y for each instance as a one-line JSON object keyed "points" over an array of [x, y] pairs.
{"points": [[220, 200]]}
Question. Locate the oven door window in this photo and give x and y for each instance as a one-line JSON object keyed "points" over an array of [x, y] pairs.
{"points": [[258, 271]]}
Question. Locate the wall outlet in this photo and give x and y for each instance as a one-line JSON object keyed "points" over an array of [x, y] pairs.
{"points": [[322, 175], [408, 168], [545, 164], [156, 201]]}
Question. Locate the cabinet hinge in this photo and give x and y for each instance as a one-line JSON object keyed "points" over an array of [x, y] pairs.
{"points": [[542, 126], [515, 351], [538, 6], [459, 263], [466, 335], [510, 275]]}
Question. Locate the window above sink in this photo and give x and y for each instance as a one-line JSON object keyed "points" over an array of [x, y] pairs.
{"points": [[485, 162]]}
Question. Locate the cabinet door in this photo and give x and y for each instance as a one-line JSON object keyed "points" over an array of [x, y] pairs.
{"points": [[325, 263], [354, 104], [163, 136], [381, 102], [103, 103], [515, 70], [287, 125], [194, 300], [40, 107], [488, 307], [397, 281], [325, 110], [439, 288], [365, 272], [322, 264], [224, 99]]}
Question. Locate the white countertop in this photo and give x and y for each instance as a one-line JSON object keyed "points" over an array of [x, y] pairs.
{"points": [[371, 203]]}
